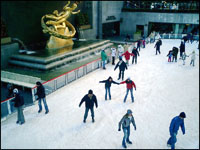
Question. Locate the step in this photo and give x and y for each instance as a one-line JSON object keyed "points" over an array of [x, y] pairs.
{"points": [[57, 63]]}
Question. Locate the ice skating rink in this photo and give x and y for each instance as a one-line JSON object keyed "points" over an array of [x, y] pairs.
{"points": [[163, 91]]}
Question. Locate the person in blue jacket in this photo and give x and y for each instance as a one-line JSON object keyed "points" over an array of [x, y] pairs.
{"points": [[108, 83], [89, 99], [173, 129]]}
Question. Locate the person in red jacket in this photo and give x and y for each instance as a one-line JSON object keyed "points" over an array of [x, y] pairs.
{"points": [[127, 56], [130, 84]]}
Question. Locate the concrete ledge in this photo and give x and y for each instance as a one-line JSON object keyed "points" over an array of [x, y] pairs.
{"points": [[29, 85]]}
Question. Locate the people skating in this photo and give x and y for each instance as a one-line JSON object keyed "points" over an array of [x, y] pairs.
{"points": [[138, 44], [175, 53], [169, 55], [129, 85], [135, 53], [193, 58], [18, 103], [41, 97], [108, 83], [127, 56], [122, 66], [184, 57], [113, 53], [176, 122], [120, 50], [182, 48], [185, 38], [103, 58], [157, 46], [125, 122], [89, 99]]}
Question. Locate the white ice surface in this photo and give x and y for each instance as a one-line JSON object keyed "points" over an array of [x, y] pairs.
{"points": [[163, 91]]}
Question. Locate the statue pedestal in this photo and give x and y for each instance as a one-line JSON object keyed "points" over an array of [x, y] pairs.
{"points": [[62, 45]]}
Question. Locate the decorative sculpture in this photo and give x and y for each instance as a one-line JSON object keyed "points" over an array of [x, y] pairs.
{"points": [[61, 30]]}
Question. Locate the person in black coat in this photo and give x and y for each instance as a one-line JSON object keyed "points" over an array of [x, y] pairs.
{"points": [[89, 99], [41, 96], [157, 46], [135, 53], [182, 48], [185, 38], [108, 83], [122, 66], [175, 53], [18, 103], [138, 44]]}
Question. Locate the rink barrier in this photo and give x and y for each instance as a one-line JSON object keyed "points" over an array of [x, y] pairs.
{"points": [[54, 84], [177, 36]]}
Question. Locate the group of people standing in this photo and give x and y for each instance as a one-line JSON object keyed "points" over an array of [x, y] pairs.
{"points": [[173, 54], [19, 101]]}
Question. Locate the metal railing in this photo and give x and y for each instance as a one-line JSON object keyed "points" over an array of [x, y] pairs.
{"points": [[177, 36], [54, 84]]}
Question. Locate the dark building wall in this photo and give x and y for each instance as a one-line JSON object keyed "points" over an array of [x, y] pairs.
{"points": [[23, 18]]}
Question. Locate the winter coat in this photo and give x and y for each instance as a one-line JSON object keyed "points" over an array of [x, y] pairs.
{"points": [[18, 100], [170, 53], [89, 103], [182, 47], [40, 92], [135, 52], [113, 50], [184, 56], [174, 126], [103, 56], [129, 84], [108, 83], [158, 44], [127, 55], [193, 56], [138, 43], [126, 121], [122, 65], [120, 50], [175, 51]]}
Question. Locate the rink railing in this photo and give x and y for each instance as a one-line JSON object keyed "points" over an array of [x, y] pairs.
{"points": [[55, 84], [177, 36]]}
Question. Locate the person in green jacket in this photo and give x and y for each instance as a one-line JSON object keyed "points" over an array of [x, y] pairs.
{"points": [[103, 58]]}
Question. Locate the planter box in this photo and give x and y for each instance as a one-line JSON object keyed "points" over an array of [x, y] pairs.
{"points": [[5, 40], [136, 36], [84, 27]]}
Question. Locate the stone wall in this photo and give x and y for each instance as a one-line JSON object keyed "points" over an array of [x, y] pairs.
{"points": [[131, 19]]}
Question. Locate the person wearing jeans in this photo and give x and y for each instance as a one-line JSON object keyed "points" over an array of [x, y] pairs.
{"points": [[108, 83], [103, 58], [122, 66], [89, 99], [176, 122], [125, 123], [18, 103], [130, 84], [41, 97]]}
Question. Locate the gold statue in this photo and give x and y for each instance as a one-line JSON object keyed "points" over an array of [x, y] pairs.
{"points": [[61, 30]]}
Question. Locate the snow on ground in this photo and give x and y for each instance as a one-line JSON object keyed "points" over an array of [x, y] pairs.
{"points": [[163, 91]]}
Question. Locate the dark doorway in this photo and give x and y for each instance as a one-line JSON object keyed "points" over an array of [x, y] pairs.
{"points": [[111, 29]]}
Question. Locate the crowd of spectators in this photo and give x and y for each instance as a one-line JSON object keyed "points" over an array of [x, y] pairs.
{"points": [[162, 5]]}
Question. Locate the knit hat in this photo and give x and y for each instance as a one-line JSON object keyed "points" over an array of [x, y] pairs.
{"points": [[129, 111], [120, 57], [182, 115], [15, 91], [128, 78], [90, 92]]}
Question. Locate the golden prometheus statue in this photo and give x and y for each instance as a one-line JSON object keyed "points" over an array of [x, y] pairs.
{"points": [[61, 30]]}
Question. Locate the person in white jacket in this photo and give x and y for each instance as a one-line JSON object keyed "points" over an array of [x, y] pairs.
{"points": [[120, 50], [113, 54], [193, 58]]}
